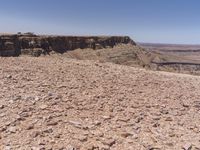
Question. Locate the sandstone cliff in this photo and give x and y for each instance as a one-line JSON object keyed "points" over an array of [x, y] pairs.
{"points": [[14, 45]]}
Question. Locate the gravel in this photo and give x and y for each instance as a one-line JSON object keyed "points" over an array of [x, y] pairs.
{"points": [[58, 103]]}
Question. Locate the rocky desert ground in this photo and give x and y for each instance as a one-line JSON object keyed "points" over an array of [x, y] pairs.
{"points": [[58, 103]]}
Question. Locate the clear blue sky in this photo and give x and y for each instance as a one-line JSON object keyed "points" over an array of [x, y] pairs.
{"points": [[163, 21]]}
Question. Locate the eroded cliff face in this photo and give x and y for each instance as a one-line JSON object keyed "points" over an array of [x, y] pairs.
{"points": [[15, 45], [9, 45]]}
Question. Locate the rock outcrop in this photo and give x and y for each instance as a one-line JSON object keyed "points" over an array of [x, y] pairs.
{"points": [[14, 45]]}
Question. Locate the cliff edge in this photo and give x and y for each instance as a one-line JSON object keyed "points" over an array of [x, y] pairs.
{"points": [[35, 45]]}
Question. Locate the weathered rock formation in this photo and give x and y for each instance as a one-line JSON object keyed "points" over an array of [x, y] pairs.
{"points": [[14, 45]]}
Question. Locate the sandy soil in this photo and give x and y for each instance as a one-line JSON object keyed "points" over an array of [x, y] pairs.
{"points": [[63, 104]]}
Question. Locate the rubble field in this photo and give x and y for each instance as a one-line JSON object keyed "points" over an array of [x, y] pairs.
{"points": [[57, 103]]}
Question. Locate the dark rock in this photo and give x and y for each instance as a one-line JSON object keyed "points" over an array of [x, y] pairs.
{"points": [[30, 44]]}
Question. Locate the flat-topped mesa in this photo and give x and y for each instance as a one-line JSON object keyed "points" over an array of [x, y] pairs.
{"points": [[14, 45]]}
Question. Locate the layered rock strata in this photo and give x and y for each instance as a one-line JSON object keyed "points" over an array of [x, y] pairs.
{"points": [[15, 45]]}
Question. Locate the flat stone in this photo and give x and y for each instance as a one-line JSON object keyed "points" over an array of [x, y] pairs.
{"points": [[82, 138], [109, 142], [12, 129], [43, 106], [106, 117], [76, 124], [169, 119], [30, 127], [52, 123], [187, 147], [126, 134]]}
